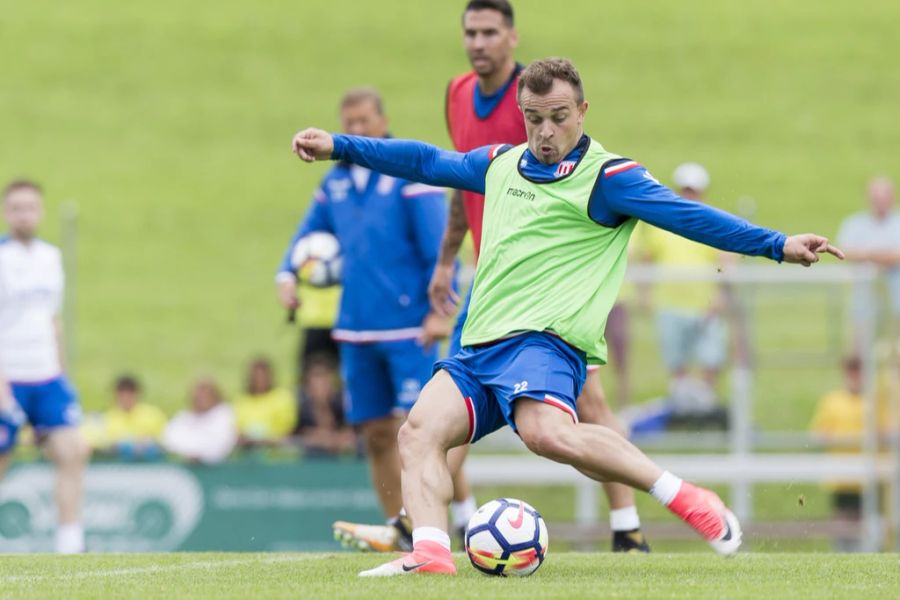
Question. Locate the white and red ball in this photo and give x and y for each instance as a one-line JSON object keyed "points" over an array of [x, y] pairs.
{"points": [[506, 537], [317, 260]]}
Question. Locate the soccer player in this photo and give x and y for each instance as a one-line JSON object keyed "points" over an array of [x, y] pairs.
{"points": [[33, 386], [389, 231], [559, 211], [481, 109]]}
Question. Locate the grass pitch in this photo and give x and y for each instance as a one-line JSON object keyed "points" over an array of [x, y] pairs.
{"points": [[562, 576]]}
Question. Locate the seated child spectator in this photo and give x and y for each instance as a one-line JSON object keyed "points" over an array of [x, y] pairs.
{"points": [[322, 429], [206, 432], [839, 423], [266, 415], [129, 429]]}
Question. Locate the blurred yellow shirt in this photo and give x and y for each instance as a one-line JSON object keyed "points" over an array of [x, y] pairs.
{"points": [[665, 249], [840, 415], [318, 306], [142, 423], [269, 417]]}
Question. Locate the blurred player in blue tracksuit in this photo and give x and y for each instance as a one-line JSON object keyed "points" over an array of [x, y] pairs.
{"points": [[390, 232]]}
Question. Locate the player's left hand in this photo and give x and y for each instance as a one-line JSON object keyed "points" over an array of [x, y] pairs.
{"points": [[435, 328], [313, 144], [806, 247]]}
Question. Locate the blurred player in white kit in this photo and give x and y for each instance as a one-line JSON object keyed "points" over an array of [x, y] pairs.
{"points": [[33, 385]]}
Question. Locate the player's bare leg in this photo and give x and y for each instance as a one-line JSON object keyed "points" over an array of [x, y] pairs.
{"points": [[380, 437], [624, 521], [437, 423], [397, 533], [605, 455], [463, 505], [68, 451]]}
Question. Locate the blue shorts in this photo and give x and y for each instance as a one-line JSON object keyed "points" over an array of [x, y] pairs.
{"points": [[45, 405], [492, 377], [381, 378], [455, 344]]}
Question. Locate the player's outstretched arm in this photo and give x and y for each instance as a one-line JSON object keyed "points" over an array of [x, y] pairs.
{"points": [[406, 159], [628, 190], [805, 249]]}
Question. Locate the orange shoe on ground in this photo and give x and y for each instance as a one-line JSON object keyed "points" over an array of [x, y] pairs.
{"points": [[426, 558]]}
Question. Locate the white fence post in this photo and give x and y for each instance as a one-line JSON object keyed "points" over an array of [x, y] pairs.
{"points": [[741, 423]]}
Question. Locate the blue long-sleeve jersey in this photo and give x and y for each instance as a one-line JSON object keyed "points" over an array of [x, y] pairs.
{"points": [[625, 189], [390, 232]]}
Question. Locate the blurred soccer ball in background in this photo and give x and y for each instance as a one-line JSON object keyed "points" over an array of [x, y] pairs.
{"points": [[317, 260], [506, 537]]}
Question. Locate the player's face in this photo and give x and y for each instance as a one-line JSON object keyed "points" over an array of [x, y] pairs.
{"points": [[363, 118], [23, 210], [554, 121], [489, 41]]}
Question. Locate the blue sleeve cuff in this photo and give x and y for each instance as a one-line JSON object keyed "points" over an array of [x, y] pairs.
{"points": [[777, 253], [339, 144]]}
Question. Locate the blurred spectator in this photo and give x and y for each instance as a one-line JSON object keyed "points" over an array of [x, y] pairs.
{"points": [[322, 428], [689, 317], [207, 431], [873, 237], [838, 422], [266, 414], [316, 316], [618, 332], [130, 429]]}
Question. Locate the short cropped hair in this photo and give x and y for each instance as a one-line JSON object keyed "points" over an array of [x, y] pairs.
{"points": [[501, 6], [362, 94], [127, 383], [852, 363], [21, 184], [539, 76]]}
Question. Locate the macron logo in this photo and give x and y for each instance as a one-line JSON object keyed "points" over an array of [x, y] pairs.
{"points": [[517, 193]]}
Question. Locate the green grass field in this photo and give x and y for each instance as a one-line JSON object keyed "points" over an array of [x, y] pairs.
{"points": [[168, 123], [562, 576]]}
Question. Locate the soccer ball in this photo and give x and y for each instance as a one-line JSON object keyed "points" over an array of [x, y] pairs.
{"points": [[317, 260], [506, 537]]}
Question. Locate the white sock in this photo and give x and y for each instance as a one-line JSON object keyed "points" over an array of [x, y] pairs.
{"points": [[463, 511], [666, 488], [624, 519], [70, 538], [431, 534]]}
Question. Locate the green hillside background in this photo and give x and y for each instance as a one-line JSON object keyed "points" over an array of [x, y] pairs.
{"points": [[169, 123]]}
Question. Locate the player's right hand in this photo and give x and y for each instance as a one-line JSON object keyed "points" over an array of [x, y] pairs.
{"points": [[806, 247], [287, 295], [313, 144], [440, 291]]}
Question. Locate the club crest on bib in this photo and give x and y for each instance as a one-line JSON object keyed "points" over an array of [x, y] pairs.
{"points": [[564, 168]]}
